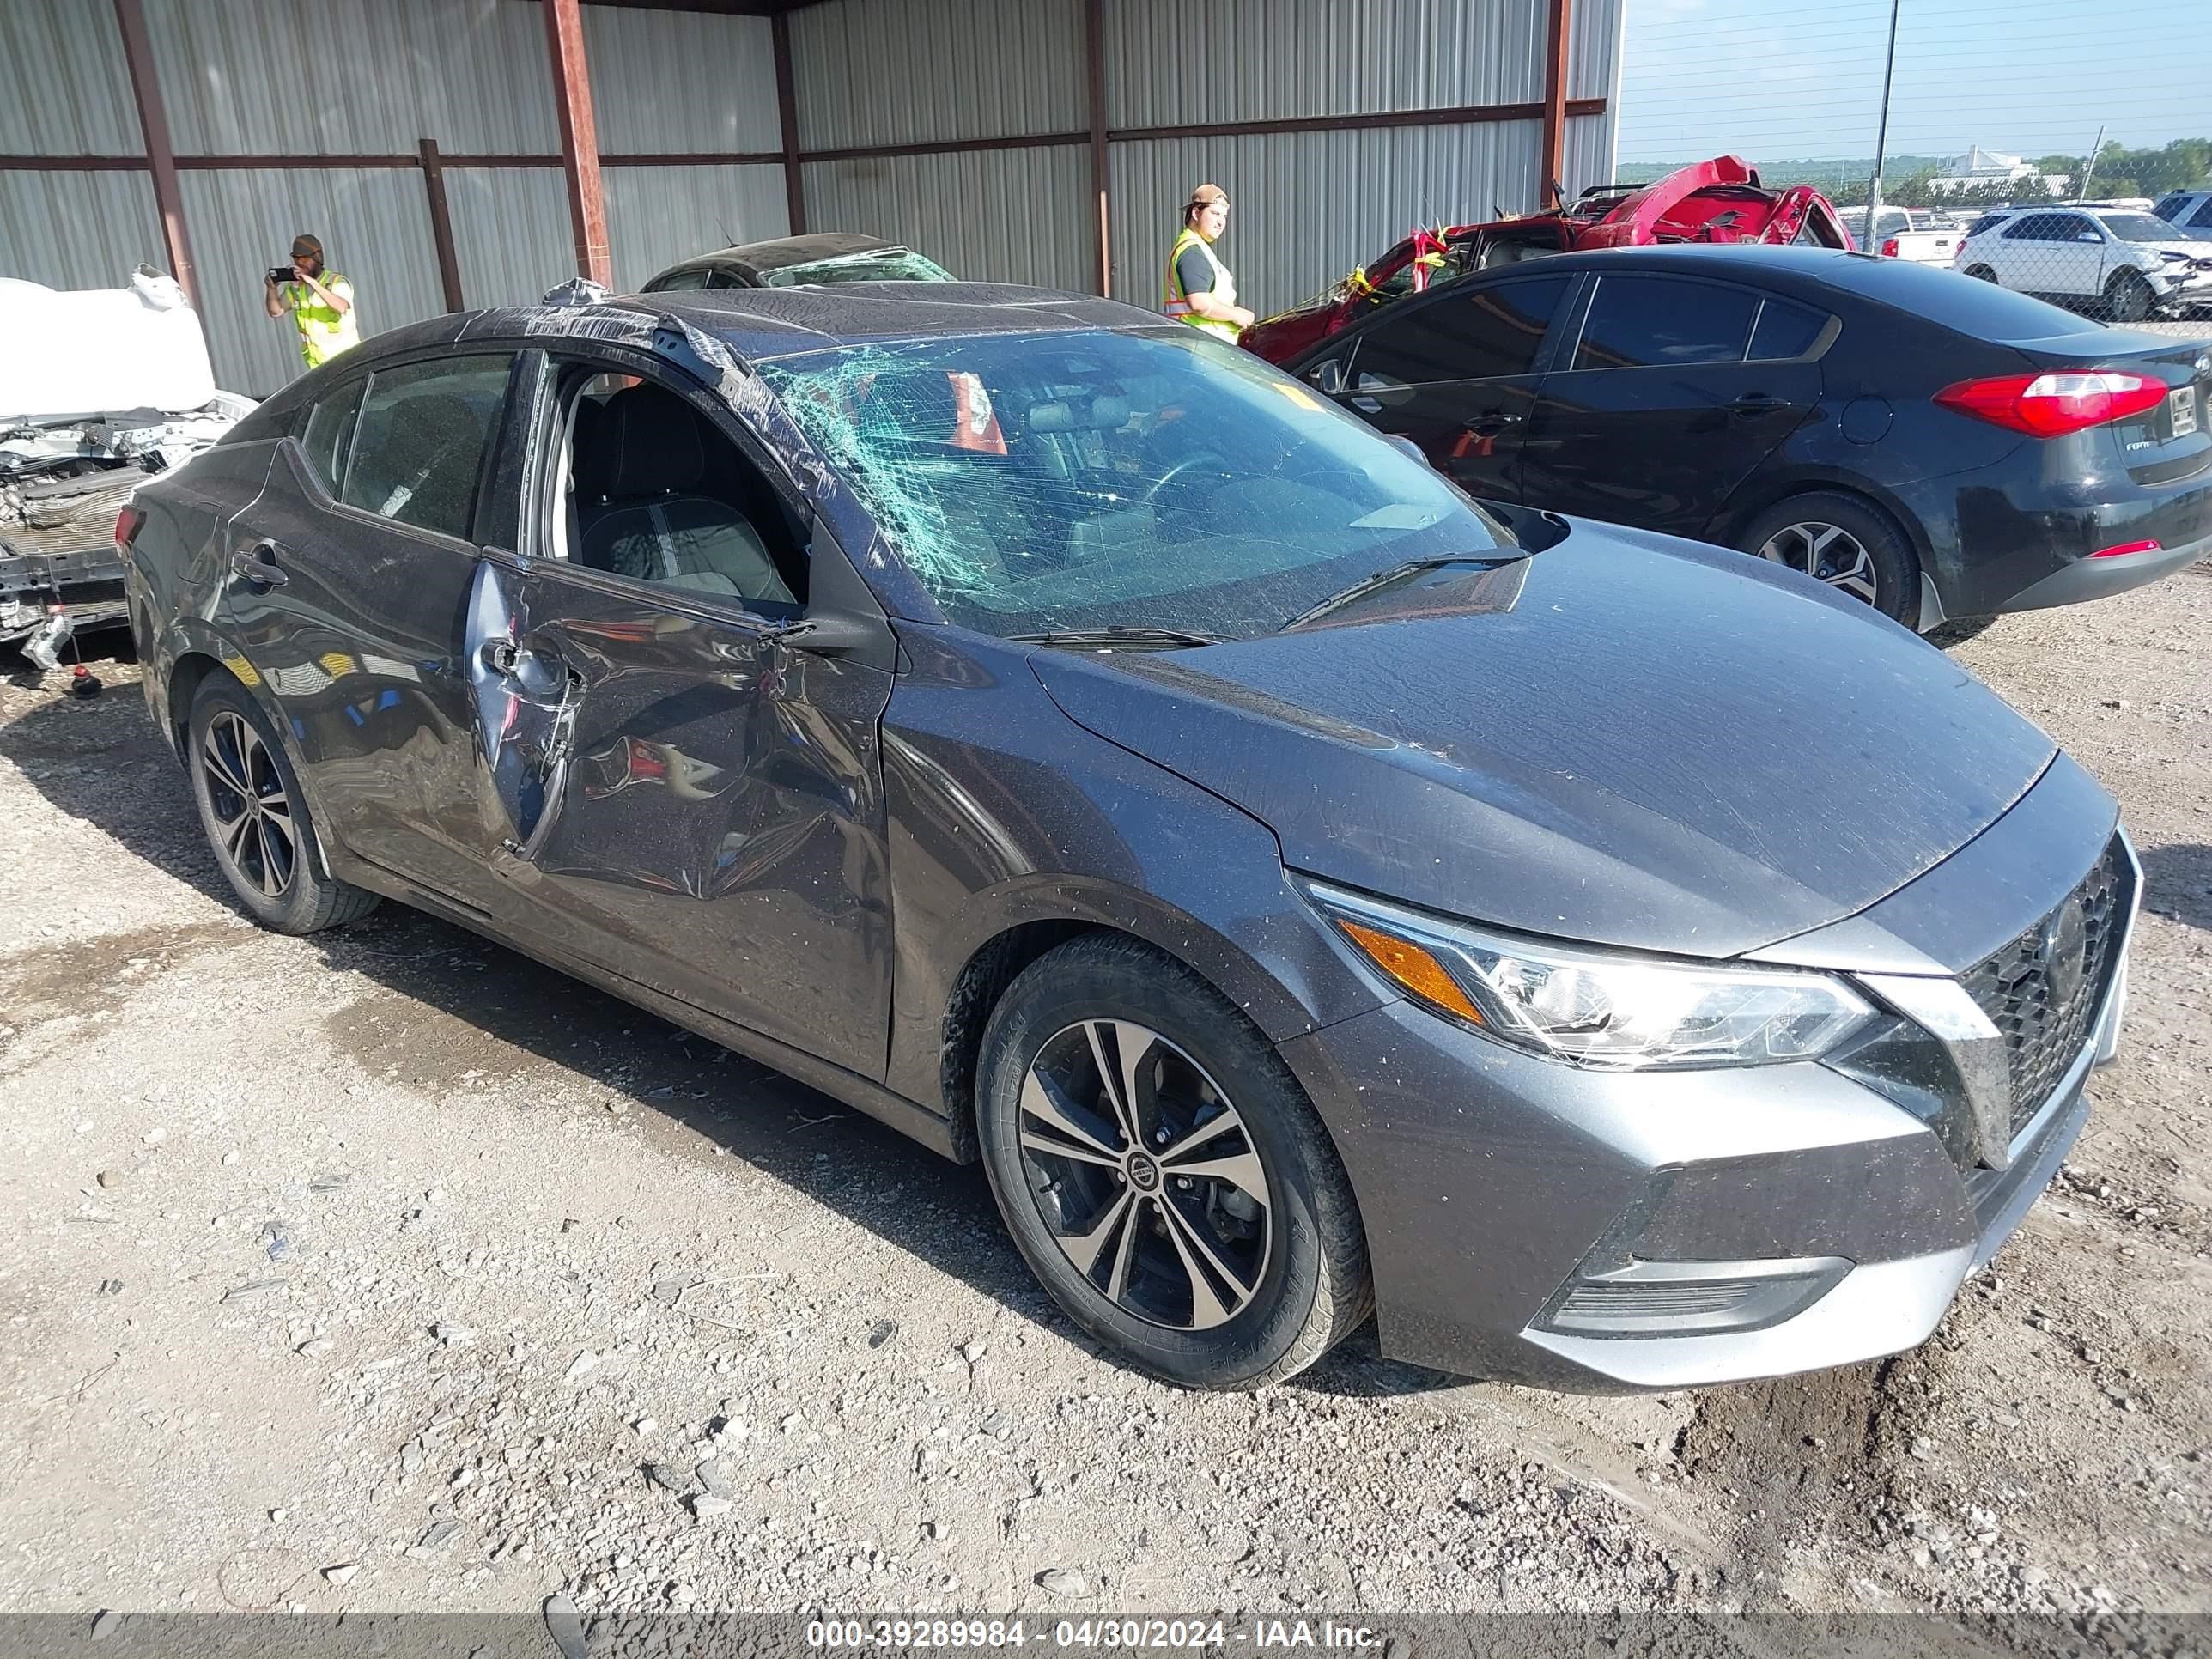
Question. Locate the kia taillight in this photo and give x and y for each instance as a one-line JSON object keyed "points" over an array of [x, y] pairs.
{"points": [[127, 523], [1889, 248], [2052, 405]]}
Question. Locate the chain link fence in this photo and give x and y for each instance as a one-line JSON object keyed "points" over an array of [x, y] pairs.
{"points": [[2058, 148]]}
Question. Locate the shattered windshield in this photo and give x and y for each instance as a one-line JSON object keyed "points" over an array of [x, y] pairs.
{"points": [[1064, 482], [889, 265]]}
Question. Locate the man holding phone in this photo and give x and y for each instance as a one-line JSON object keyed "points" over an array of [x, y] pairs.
{"points": [[321, 302]]}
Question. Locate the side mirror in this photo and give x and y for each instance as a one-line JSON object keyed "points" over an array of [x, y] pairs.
{"points": [[2088, 236], [1400, 441], [1327, 377]]}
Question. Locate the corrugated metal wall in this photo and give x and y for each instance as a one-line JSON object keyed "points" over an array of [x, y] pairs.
{"points": [[657, 215], [78, 229], [374, 222], [913, 71], [1309, 206], [64, 88], [260, 77], [1169, 62], [1005, 215]]}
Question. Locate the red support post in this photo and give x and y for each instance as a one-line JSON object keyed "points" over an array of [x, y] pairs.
{"points": [[441, 223], [787, 115], [1555, 104], [161, 158], [580, 139], [1094, 49]]}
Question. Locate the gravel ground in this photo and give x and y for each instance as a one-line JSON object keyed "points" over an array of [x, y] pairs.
{"points": [[387, 1270]]}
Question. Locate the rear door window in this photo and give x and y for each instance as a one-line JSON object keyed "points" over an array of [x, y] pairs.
{"points": [[679, 281], [1665, 322], [424, 431], [330, 434], [2034, 227], [1484, 334], [1785, 330]]}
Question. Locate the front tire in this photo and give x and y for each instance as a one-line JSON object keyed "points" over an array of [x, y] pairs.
{"points": [[1163, 1173], [1850, 544], [2128, 298], [255, 819]]}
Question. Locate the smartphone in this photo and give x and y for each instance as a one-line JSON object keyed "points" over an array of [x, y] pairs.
{"points": [[282, 274]]}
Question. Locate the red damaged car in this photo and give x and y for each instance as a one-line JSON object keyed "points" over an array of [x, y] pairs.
{"points": [[1717, 200]]}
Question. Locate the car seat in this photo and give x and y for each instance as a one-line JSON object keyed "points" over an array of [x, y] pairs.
{"points": [[643, 513]]}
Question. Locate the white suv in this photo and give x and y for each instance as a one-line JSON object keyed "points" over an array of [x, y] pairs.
{"points": [[2115, 263]]}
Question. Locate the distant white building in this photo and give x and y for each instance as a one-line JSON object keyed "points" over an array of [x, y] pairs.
{"points": [[1979, 167]]}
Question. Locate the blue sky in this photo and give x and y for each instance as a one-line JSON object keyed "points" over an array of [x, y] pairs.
{"points": [[1774, 80]]}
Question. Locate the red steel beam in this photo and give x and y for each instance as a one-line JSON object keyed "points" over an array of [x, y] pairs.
{"points": [[787, 115], [441, 225], [154, 121], [1555, 104], [1094, 54], [580, 138]]}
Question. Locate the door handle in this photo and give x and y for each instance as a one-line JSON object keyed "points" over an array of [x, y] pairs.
{"points": [[256, 566], [1497, 421], [1758, 402]]}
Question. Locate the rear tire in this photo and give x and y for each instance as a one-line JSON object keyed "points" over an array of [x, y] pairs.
{"points": [[256, 818], [1981, 273], [1164, 1174], [2128, 298], [1851, 544]]}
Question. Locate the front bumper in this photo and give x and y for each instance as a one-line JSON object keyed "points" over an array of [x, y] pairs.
{"points": [[1613, 1231]]}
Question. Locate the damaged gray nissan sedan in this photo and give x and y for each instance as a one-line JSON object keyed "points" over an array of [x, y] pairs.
{"points": [[1616, 963]]}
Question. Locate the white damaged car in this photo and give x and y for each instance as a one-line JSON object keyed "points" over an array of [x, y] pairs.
{"points": [[99, 387]]}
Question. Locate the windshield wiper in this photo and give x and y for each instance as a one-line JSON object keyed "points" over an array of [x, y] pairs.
{"points": [[1390, 578], [1106, 638]]}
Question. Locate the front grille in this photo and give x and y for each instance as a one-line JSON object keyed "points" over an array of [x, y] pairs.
{"points": [[2042, 991]]}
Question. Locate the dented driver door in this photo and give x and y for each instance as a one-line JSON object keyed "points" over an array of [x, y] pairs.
{"points": [[691, 802]]}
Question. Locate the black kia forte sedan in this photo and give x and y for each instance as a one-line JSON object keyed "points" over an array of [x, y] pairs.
{"points": [[1075, 743], [1939, 447]]}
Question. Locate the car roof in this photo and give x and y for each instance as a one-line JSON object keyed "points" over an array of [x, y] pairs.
{"points": [[782, 251], [1746, 260], [759, 323]]}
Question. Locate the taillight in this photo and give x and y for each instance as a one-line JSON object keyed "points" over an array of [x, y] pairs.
{"points": [[1889, 248], [2052, 405], [127, 523], [2125, 549]]}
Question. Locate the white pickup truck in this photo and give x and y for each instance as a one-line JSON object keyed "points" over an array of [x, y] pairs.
{"points": [[1912, 233]]}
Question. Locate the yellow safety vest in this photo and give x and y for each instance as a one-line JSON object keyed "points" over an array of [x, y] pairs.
{"points": [[325, 331], [1175, 301]]}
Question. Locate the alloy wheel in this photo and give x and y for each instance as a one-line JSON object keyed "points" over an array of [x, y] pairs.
{"points": [[1145, 1173], [252, 813], [1827, 552]]}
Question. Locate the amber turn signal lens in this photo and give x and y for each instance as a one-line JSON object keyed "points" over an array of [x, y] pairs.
{"points": [[1409, 965]]}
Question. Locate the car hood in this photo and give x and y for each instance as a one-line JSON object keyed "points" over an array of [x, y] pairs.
{"points": [[66, 353], [1647, 743]]}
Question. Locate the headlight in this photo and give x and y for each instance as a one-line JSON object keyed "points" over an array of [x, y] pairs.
{"points": [[1596, 1007]]}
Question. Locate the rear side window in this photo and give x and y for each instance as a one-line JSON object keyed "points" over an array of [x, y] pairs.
{"points": [[423, 433], [2203, 214], [1664, 322], [330, 434], [1785, 330], [1479, 335], [678, 281], [1981, 310]]}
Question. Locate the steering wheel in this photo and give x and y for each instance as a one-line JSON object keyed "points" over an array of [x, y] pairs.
{"points": [[1188, 464]]}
